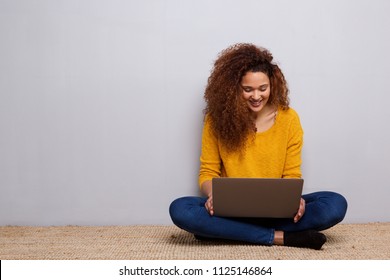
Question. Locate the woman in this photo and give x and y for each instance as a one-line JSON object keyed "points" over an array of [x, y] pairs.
{"points": [[250, 131]]}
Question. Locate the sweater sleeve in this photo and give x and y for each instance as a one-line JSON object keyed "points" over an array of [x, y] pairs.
{"points": [[292, 166], [210, 160]]}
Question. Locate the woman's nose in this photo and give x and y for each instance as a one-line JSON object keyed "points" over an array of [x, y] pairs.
{"points": [[256, 94]]}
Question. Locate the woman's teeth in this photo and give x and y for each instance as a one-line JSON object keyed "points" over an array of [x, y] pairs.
{"points": [[256, 103]]}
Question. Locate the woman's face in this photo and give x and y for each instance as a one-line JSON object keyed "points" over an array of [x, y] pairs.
{"points": [[256, 90]]}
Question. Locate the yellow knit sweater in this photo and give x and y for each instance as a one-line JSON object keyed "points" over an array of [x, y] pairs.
{"points": [[275, 153]]}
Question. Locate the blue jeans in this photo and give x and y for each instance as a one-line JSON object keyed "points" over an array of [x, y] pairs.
{"points": [[323, 210]]}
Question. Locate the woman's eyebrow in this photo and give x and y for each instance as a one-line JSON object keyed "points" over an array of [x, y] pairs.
{"points": [[263, 85]]}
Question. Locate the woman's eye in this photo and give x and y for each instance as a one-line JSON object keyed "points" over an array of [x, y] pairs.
{"points": [[247, 89]]}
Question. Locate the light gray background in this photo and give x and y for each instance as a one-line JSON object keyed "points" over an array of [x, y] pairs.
{"points": [[101, 101]]}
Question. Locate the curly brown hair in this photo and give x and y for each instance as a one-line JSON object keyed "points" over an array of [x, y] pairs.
{"points": [[227, 111]]}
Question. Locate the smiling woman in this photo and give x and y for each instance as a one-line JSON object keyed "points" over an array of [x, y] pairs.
{"points": [[256, 91], [238, 71], [250, 132]]}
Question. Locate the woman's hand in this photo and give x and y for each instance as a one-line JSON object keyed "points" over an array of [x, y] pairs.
{"points": [[301, 211], [209, 205]]}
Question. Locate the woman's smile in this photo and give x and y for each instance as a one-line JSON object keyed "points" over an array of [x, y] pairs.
{"points": [[255, 103]]}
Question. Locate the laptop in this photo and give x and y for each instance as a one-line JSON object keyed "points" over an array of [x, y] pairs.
{"points": [[256, 197]]}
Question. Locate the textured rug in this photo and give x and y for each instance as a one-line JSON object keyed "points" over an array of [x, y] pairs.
{"points": [[144, 242]]}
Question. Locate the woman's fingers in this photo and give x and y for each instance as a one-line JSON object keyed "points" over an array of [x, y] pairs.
{"points": [[209, 205], [301, 211]]}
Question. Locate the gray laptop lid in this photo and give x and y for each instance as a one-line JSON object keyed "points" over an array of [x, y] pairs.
{"points": [[256, 197]]}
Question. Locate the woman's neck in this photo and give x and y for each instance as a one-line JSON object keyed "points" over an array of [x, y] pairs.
{"points": [[265, 119]]}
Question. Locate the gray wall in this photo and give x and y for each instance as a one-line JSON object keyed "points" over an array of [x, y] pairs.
{"points": [[101, 101]]}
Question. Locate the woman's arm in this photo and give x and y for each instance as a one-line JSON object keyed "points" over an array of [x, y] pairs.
{"points": [[206, 189], [292, 166], [210, 160]]}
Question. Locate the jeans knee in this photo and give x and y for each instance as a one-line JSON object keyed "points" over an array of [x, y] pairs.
{"points": [[337, 208], [179, 210], [341, 206], [176, 210], [329, 208]]}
